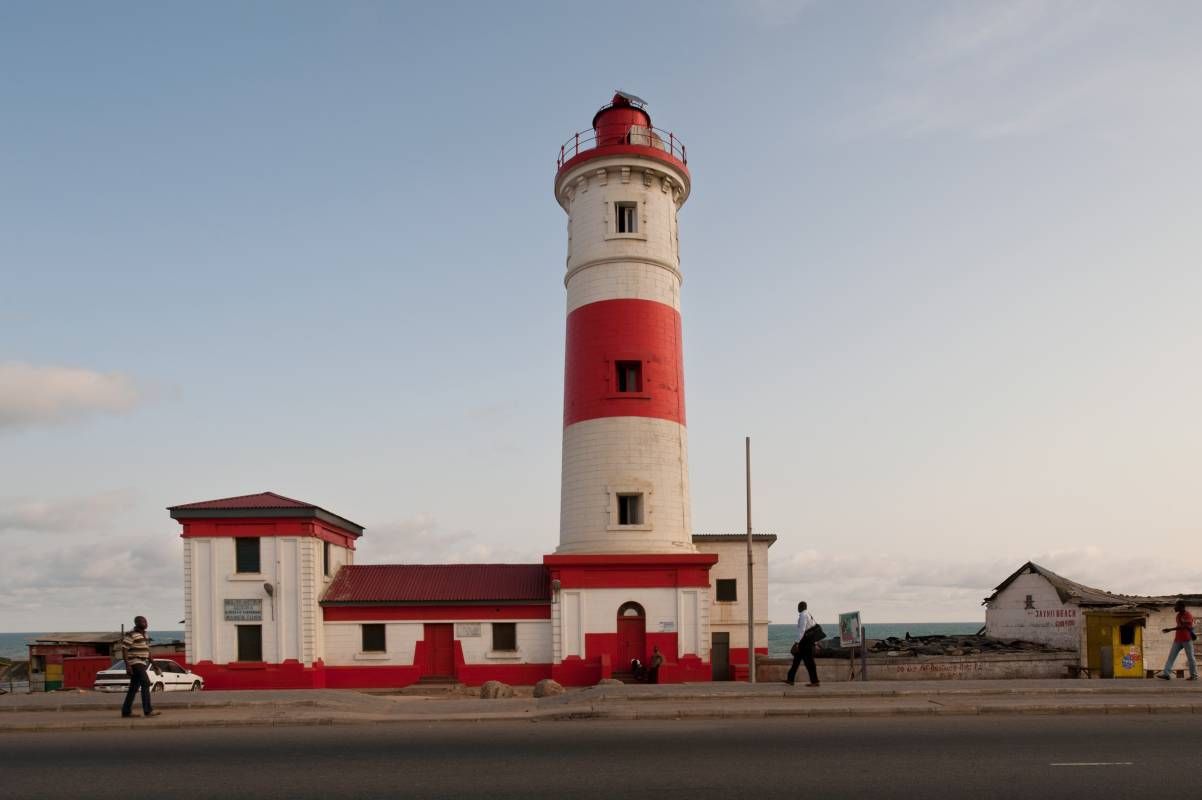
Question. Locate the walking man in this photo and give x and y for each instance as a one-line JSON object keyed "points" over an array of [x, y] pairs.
{"points": [[136, 649], [803, 650], [1183, 639]]}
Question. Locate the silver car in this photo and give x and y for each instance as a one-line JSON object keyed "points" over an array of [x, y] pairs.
{"points": [[165, 676]]}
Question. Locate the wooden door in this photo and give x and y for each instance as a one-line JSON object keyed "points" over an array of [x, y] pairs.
{"points": [[720, 655], [632, 640], [440, 649]]}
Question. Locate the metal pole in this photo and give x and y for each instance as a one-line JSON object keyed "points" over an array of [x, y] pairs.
{"points": [[750, 575]]}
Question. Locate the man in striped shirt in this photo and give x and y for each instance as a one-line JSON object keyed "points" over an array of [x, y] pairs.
{"points": [[136, 652]]}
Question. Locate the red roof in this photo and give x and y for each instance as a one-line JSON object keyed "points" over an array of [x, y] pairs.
{"points": [[248, 501], [263, 504], [439, 583]]}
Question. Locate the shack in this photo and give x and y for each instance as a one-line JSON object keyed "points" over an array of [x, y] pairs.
{"points": [[1114, 635], [71, 660]]}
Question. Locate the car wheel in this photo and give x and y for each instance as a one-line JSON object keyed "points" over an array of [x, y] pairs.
{"points": [[158, 687], [196, 686]]}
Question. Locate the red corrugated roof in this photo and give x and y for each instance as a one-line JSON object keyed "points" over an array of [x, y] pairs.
{"points": [[439, 583], [248, 501]]}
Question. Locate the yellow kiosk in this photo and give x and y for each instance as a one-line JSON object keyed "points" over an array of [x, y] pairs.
{"points": [[1114, 642]]}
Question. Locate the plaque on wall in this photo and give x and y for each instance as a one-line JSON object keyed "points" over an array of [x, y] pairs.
{"points": [[243, 610], [467, 630]]}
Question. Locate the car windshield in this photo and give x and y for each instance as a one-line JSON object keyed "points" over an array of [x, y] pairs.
{"points": [[117, 666]]}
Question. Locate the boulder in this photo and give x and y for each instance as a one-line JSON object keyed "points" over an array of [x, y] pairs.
{"points": [[492, 690], [547, 687]]}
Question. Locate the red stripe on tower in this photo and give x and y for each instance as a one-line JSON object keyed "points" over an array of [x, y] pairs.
{"points": [[624, 359]]}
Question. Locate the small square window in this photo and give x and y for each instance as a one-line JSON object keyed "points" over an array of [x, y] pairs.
{"points": [[246, 554], [629, 376], [630, 509], [250, 642], [727, 590], [505, 636], [373, 638], [626, 217]]}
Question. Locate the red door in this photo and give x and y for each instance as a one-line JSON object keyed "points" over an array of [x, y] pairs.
{"points": [[632, 640], [440, 649]]}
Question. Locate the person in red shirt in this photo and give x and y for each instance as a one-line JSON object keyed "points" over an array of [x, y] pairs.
{"points": [[1182, 640]]}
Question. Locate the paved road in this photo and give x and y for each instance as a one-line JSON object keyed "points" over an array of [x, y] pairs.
{"points": [[978, 757]]}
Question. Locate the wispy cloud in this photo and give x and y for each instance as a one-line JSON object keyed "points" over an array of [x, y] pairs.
{"points": [[999, 70], [421, 539], [39, 395], [123, 575], [63, 515], [900, 586]]}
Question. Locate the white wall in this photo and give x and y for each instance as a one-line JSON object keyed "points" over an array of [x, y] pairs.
{"points": [[1048, 620], [624, 453], [344, 641], [1157, 644], [289, 618], [344, 644], [684, 612], [732, 564]]}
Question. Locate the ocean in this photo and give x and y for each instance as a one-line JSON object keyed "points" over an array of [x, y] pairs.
{"points": [[14, 645], [781, 637]]}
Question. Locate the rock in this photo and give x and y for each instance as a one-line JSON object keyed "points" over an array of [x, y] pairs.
{"points": [[547, 688], [610, 682], [492, 690]]}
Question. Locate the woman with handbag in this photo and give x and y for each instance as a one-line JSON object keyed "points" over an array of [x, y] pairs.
{"points": [[808, 632], [1183, 639]]}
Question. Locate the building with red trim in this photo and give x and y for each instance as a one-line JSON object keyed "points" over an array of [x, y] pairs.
{"points": [[273, 597]]}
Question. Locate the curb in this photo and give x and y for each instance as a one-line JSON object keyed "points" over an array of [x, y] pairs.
{"points": [[620, 714]]}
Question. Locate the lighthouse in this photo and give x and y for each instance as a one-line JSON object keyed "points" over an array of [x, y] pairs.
{"points": [[626, 574]]}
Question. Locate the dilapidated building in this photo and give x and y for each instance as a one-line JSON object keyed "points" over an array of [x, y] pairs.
{"points": [[1116, 635]]}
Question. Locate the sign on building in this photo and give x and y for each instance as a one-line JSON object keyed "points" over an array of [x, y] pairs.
{"points": [[243, 610], [851, 634], [467, 630]]}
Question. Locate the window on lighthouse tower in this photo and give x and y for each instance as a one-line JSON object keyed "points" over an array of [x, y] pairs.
{"points": [[630, 509], [630, 376], [626, 215]]}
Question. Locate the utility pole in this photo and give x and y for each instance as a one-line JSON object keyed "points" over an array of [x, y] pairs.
{"points": [[750, 575]]}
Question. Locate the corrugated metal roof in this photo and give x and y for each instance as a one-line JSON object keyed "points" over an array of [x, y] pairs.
{"points": [[1071, 591], [246, 501], [734, 537], [439, 583]]}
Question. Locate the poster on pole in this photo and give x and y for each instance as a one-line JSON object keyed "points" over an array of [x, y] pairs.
{"points": [[850, 632]]}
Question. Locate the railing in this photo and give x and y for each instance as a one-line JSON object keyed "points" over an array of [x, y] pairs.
{"points": [[639, 135]]}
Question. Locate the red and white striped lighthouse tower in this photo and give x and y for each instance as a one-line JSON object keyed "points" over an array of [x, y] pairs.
{"points": [[626, 576], [625, 478]]}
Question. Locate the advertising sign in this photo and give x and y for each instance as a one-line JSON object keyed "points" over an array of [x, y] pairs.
{"points": [[467, 630], [243, 610], [850, 632]]}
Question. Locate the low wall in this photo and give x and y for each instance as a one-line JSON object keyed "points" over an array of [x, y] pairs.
{"points": [[929, 668]]}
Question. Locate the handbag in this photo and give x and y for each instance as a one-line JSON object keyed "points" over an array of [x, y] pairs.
{"points": [[795, 649], [815, 634]]}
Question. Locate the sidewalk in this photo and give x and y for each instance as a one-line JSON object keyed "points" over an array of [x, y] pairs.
{"points": [[93, 711]]}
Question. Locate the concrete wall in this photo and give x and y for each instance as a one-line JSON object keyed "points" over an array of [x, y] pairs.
{"points": [[1047, 620], [732, 617], [605, 456], [1157, 644], [291, 619], [344, 642], [683, 611], [928, 668]]}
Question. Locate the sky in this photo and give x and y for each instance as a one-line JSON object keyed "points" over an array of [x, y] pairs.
{"points": [[941, 263]]}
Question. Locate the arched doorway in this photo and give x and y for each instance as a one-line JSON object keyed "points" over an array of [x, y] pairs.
{"points": [[632, 635]]}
